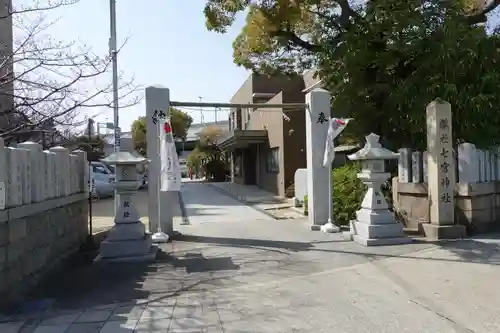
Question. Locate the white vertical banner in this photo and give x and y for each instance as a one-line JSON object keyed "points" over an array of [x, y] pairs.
{"points": [[170, 172], [335, 127]]}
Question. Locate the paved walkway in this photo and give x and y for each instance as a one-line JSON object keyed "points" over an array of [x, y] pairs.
{"points": [[245, 273], [205, 204]]}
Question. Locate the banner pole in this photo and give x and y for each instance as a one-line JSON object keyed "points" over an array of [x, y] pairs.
{"points": [[159, 236]]}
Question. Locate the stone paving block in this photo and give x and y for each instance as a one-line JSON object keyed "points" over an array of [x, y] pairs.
{"points": [[149, 325], [13, 327], [85, 328], [92, 316], [196, 314], [52, 329], [106, 307], [124, 326], [130, 312], [159, 309], [152, 313], [62, 319]]}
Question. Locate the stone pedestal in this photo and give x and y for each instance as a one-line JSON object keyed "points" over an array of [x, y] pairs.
{"points": [[375, 223], [127, 241]]}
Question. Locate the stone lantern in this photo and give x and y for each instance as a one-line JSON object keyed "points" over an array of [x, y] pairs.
{"points": [[127, 240], [375, 223]]}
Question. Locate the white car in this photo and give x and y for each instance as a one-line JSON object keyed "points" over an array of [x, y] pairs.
{"points": [[103, 180]]}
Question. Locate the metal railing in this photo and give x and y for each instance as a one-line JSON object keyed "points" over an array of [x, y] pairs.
{"points": [[234, 189]]}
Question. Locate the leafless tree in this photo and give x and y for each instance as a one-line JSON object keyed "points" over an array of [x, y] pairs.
{"points": [[45, 82]]}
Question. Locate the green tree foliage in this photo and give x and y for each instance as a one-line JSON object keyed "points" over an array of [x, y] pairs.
{"points": [[213, 159], [386, 72], [179, 120], [284, 35], [348, 193], [195, 159], [93, 146], [383, 60]]}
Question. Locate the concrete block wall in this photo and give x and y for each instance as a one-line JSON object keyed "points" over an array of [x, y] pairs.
{"points": [[34, 238], [43, 213]]}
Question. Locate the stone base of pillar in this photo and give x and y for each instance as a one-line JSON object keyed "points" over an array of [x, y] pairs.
{"points": [[149, 257], [435, 232], [127, 242], [316, 227], [160, 237], [368, 234], [330, 228]]}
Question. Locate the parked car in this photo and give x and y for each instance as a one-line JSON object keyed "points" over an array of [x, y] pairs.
{"points": [[103, 180]]}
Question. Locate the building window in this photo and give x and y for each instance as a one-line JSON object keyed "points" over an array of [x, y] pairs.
{"points": [[273, 158]]}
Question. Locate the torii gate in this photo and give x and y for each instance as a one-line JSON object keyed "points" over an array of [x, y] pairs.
{"points": [[317, 106]]}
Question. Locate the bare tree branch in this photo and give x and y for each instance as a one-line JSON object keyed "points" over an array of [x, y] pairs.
{"points": [[46, 82]]}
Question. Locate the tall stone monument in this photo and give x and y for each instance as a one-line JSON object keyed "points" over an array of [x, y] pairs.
{"points": [[127, 241], [159, 202], [318, 180], [441, 173]]}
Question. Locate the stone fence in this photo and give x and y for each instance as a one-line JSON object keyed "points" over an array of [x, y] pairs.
{"points": [[43, 212], [476, 192]]}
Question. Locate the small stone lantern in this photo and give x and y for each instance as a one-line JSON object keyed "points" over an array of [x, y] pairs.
{"points": [[375, 223], [127, 240]]}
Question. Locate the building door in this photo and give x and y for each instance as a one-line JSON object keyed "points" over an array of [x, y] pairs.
{"points": [[250, 166]]}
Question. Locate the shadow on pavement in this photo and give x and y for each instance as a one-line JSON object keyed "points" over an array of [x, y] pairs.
{"points": [[81, 283], [468, 250], [201, 263]]}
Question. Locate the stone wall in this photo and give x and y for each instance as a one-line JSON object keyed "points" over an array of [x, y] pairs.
{"points": [[477, 205], [43, 212], [34, 238]]}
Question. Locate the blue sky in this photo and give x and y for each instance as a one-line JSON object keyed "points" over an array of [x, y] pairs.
{"points": [[168, 44]]}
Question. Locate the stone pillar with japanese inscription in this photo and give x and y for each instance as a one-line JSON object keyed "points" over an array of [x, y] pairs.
{"points": [[318, 180], [441, 173], [37, 177], [25, 174], [157, 106], [127, 240], [14, 176], [83, 171], [404, 163], [468, 163], [50, 174]]}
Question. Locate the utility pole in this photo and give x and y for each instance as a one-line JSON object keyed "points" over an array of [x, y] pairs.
{"points": [[202, 119], [114, 59]]}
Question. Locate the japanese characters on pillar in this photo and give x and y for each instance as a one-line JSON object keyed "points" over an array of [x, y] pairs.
{"points": [[158, 115], [126, 213], [446, 163], [322, 118], [441, 163]]}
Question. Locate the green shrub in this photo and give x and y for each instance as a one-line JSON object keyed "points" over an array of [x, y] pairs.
{"points": [[348, 193], [304, 205]]}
